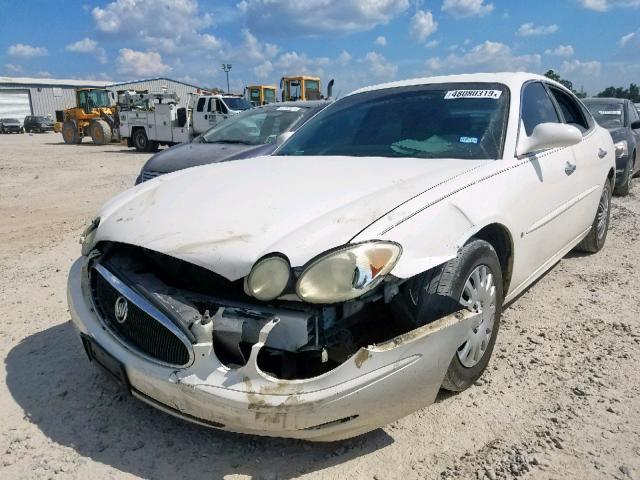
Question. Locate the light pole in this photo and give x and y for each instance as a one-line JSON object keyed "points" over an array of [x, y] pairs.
{"points": [[227, 67]]}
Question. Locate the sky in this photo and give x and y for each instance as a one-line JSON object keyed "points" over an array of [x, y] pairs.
{"points": [[593, 43]]}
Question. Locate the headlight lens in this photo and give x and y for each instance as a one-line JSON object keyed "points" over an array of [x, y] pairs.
{"points": [[269, 277], [88, 236], [622, 149], [348, 272]]}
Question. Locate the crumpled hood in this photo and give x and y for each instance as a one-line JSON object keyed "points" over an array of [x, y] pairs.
{"points": [[226, 216], [186, 155]]}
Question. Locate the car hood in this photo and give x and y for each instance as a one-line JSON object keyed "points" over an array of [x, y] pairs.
{"points": [[188, 155], [226, 216], [619, 134]]}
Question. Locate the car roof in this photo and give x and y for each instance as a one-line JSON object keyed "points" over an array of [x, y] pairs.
{"points": [[511, 79], [608, 100]]}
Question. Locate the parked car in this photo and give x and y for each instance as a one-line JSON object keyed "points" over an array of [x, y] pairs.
{"points": [[338, 284], [33, 123], [622, 120], [249, 134], [11, 125]]}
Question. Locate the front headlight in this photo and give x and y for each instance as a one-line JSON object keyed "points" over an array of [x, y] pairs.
{"points": [[621, 148], [269, 278], [88, 236], [347, 272]]}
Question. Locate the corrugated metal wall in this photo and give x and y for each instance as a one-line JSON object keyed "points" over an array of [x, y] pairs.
{"points": [[45, 100], [155, 86]]}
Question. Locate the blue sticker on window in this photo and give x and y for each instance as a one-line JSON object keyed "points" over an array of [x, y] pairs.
{"points": [[468, 140]]}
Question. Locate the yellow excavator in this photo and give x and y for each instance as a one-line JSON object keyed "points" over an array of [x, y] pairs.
{"points": [[261, 94], [303, 88], [94, 116]]}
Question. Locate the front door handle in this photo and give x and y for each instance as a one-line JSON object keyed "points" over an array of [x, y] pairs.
{"points": [[602, 152], [569, 168]]}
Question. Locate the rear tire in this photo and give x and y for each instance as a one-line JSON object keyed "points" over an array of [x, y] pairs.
{"points": [[443, 290], [70, 133], [140, 141], [100, 132], [597, 236]]}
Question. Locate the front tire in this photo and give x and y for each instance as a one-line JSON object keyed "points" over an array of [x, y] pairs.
{"points": [[624, 188], [474, 280], [100, 132], [597, 236]]}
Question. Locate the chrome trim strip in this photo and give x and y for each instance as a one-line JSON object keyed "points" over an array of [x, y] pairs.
{"points": [[561, 209], [145, 305]]}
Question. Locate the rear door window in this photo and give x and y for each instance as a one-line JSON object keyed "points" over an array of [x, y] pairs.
{"points": [[537, 107], [200, 106], [570, 109]]}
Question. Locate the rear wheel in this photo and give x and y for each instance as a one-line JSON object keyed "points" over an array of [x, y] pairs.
{"points": [[597, 236], [140, 141], [70, 133], [100, 132], [473, 280]]}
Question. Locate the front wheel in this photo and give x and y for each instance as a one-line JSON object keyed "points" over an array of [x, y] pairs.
{"points": [[597, 236], [473, 280], [624, 188]]}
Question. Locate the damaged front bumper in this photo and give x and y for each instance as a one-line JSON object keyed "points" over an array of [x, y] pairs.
{"points": [[378, 384]]}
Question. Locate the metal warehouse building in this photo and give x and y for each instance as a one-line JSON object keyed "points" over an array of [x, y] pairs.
{"points": [[20, 97]]}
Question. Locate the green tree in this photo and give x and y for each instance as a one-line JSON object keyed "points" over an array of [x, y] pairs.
{"points": [[563, 81], [632, 93]]}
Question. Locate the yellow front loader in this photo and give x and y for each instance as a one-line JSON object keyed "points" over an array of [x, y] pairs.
{"points": [[261, 94], [94, 116], [303, 88]]}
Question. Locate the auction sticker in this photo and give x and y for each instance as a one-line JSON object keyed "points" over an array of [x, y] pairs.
{"points": [[455, 94], [610, 112]]}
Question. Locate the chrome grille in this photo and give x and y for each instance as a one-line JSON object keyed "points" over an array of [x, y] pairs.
{"points": [[145, 328], [149, 174]]}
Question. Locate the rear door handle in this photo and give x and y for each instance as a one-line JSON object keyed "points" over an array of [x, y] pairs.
{"points": [[602, 152], [569, 168]]}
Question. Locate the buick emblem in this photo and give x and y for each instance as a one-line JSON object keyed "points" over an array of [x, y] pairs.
{"points": [[121, 308]]}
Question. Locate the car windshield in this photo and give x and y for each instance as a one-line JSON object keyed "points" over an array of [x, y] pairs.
{"points": [[254, 127], [11, 120], [455, 120], [237, 103], [89, 99], [608, 115]]}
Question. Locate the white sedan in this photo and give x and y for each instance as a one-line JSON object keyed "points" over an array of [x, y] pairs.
{"points": [[336, 286]]}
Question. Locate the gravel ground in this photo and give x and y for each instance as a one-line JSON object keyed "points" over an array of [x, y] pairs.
{"points": [[560, 399]]}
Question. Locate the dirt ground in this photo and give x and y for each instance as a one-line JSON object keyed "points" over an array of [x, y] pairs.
{"points": [[560, 399]]}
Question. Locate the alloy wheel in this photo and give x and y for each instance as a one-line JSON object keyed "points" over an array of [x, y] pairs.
{"points": [[603, 214]]}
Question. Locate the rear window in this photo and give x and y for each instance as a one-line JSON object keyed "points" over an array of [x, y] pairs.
{"points": [[608, 115], [454, 120]]}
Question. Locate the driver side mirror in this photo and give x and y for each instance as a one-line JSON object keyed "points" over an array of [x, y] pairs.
{"points": [[283, 137], [548, 135], [635, 125]]}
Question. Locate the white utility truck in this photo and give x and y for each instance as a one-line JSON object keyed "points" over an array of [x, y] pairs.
{"points": [[148, 120]]}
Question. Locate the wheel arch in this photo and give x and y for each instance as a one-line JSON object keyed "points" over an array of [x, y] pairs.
{"points": [[500, 238]]}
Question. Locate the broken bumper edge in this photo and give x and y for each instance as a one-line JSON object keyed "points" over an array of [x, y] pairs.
{"points": [[377, 385]]}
